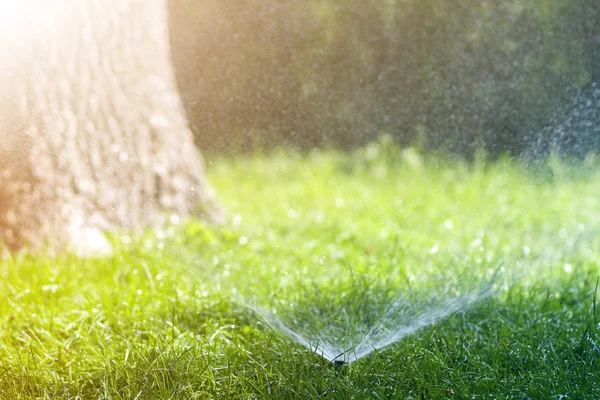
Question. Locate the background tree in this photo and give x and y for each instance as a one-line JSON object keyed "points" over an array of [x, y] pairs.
{"points": [[454, 76], [92, 131]]}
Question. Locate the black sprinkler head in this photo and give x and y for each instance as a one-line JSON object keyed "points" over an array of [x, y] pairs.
{"points": [[338, 364]]}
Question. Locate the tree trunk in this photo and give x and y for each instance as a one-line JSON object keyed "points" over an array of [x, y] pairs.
{"points": [[93, 135]]}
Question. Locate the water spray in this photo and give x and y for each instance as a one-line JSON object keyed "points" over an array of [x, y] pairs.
{"points": [[355, 336]]}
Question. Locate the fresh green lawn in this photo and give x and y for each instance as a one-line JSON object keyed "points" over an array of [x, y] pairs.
{"points": [[310, 235]]}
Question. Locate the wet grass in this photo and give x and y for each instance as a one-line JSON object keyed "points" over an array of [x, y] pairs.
{"points": [[164, 317]]}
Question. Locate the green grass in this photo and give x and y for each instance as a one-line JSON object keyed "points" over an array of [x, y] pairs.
{"points": [[164, 317]]}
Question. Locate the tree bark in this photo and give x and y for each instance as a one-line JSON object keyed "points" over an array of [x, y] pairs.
{"points": [[93, 135]]}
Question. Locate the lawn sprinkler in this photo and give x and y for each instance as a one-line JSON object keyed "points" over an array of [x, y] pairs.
{"points": [[338, 364]]}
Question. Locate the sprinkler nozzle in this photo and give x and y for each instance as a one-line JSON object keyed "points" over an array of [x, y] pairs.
{"points": [[338, 364]]}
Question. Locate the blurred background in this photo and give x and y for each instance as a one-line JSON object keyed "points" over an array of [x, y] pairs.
{"points": [[452, 76]]}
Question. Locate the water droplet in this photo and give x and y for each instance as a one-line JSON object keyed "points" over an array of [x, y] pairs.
{"points": [[319, 218], [293, 214], [50, 288], [476, 242], [563, 233]]}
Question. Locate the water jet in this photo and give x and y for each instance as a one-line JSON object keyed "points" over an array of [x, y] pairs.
{"points": [[347, 326]]}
